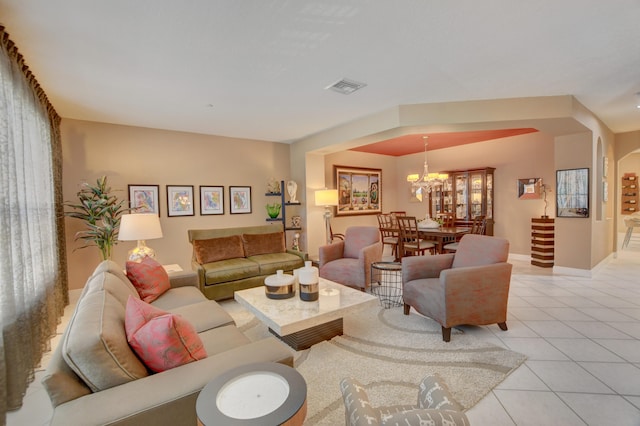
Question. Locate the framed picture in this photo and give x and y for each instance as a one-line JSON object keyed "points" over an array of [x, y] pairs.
{"points": [[358, 190], [211, 200], [239, 199], [179, 200], [572, 193], [530, 189], [144, 198]]}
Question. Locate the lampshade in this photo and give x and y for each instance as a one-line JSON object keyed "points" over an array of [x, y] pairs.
{"points": [[141, 226], [326, 197]]}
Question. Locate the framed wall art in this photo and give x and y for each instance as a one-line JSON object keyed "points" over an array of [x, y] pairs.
{"points": [[144, 198], [180, 200], [359, 190], [530, 189], [239, 199], [572, 193], [211, 200]]}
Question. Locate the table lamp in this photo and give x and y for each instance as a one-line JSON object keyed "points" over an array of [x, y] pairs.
{"points": [[327, 198], [140, 227]]}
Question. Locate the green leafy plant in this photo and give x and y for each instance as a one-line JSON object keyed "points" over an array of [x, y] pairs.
{"points": [[101, 212]]}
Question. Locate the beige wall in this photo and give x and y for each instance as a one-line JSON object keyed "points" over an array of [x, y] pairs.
{"points": [[514, 158], [133, 155]]}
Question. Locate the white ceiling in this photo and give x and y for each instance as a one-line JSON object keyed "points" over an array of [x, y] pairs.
{"points": [[258, 68]]}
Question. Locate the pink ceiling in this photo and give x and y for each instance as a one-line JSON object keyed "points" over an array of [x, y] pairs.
{"points": [[411, 144]]}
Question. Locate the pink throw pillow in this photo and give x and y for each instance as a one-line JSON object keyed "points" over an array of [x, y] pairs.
{"points": [[161, 340], [149, 278]]}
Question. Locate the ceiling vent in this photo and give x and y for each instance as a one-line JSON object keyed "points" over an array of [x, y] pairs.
{"points": [[345, 86]]}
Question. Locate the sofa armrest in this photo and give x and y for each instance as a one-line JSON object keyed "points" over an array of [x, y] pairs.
{"points": [[183, 279], [418, 267], [330, 252], [166, 398], [301, 254]]}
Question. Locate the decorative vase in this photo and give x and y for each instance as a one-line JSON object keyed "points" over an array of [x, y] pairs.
{"points": [[292, 187], [273, 210], [309, 282]]}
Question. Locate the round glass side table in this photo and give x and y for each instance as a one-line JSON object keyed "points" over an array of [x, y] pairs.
{"points": [[254, 394]]}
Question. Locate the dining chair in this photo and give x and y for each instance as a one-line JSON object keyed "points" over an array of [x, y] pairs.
{"points": [[335, 236], [410, 242], [389, 232], [448, 219], [478, 227]]}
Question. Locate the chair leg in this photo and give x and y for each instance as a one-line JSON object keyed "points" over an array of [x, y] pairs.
{"points": [[446, 334], [407, 308], [503, 326]]}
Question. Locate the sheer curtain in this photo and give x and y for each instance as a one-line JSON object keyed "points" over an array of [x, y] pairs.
{"points": [[33, 278]]}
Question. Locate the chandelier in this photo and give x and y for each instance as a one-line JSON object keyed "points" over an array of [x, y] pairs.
{"points": [[428, 181]]}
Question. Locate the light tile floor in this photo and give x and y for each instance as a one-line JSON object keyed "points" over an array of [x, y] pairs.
{"points": [[581, 336]]}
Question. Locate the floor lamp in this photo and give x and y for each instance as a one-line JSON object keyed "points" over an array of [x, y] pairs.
{"points": [[140, 227], [327, 198]]}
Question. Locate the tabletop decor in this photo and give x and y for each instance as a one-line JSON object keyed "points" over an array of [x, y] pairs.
{"points": [[273, 210]]}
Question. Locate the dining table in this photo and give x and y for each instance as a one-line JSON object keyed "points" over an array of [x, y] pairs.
{"points": [[443, 235]]}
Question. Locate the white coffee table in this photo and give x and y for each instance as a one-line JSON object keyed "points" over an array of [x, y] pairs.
{"points": [[302, 324]]}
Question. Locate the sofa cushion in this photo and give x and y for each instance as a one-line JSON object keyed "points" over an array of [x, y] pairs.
{"points": [[270, 263], [95, 346], [176, 297], [162, 340], [255, 244], [149, 278], [204, 315], [214, 249], [229, 270], [118, 285], [222, 339]]}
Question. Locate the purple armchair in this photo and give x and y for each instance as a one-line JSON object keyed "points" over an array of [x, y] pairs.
{"points": [[470, 286], [349, 262]]}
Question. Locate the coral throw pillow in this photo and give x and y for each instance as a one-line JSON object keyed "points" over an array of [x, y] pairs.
{"points": [[149, 278], [161, 340]]}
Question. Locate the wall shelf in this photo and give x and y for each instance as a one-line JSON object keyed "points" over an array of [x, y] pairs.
{"points": [[283, 211], [629, 197]]}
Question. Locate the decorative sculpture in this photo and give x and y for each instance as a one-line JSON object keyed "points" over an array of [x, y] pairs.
{"points": [[292, 187]]}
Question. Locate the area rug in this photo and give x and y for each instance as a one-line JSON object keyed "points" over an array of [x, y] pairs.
{"points": [[390, 353]]}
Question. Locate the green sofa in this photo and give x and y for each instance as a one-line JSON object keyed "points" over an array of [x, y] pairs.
{"points": [[230, 259]]}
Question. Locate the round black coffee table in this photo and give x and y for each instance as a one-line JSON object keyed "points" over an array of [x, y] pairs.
{"points": [[254, 394]]}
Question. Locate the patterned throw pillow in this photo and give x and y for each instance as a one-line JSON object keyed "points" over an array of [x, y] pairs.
{"points": [[161, 340], [149, 278]]}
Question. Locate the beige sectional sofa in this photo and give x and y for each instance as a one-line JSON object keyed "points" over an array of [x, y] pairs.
{"points": [[230, 259], [94, 377]]}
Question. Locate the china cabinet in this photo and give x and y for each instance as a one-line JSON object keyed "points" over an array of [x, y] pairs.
{"points": [[466, 194], [629, 193], [290, 224]]}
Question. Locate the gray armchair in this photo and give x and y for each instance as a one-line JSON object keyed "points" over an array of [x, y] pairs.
{"points": [[468, 287], [349, 261]]}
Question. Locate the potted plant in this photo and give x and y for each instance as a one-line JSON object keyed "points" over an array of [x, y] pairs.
{"points": [[101, 212]]}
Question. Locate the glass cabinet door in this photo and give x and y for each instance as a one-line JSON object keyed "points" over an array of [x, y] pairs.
{"points": [[447, 196], [461, 189], [476, 195], [489, 196]]}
